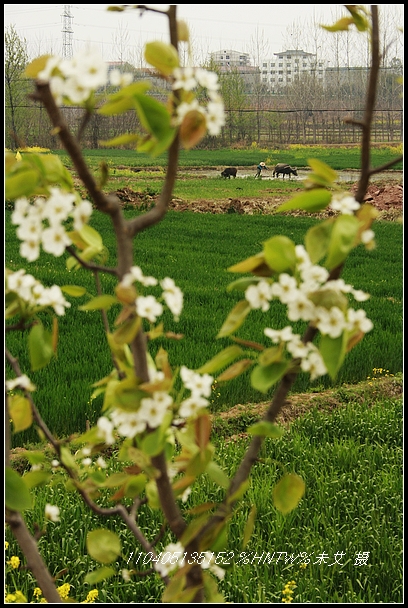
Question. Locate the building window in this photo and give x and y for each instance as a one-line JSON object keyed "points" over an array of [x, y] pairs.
{"points": [[288, 56], [280, 79]]}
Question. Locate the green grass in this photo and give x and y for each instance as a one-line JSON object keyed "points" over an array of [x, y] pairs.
{"points": [[196, 250], [339, 158], [351, 462]]}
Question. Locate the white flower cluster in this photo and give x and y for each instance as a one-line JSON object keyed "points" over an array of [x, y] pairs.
{"points": [[174, 556], [189, 78], [153, 409], [31, 291], [296, 294], [148, 307], [22, 382], [77, 78], [55, 210], [200, 387]]}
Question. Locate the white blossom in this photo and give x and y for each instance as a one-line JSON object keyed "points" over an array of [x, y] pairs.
{"points": [[22, 382], [148, 308], [367, 236], [357, 320], [184, 79], [128, 424], [52, 512], [55, 240], [285, 289], [300, 308], [54, 297], [314, 364], [345, 204], [215, 117], [259, 295], [330, 322], [198, 384], [120, 79], [81, 214], [105, 430], [152, 410], [190, 406]]}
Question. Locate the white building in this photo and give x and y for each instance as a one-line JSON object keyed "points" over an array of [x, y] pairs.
{"points": [[289, 66]]}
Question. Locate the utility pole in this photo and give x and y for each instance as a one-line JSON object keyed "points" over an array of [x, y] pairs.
{"points": [[67, 32]]}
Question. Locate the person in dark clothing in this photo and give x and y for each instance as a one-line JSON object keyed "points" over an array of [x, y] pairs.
{"points": [[259, 169]]}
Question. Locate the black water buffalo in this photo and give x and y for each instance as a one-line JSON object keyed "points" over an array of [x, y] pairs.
{"points": [[228, 172], [285, 170]]}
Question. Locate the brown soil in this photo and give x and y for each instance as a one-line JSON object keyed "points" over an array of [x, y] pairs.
{"points": [[387, 198]]}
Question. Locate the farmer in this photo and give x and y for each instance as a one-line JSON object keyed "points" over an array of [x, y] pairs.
{"points": [[259, 169]]}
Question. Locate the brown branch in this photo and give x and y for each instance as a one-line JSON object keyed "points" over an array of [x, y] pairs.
{"points": [[386, 166], [88, 265], [34, 559]]}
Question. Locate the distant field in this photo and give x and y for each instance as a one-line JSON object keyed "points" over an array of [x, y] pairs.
{"points": [[339, 158]]}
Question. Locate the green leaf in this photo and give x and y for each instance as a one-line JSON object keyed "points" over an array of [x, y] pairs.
{"points": [[162, 56], [241, 284], [343, 239], [327, 298], [255, 264], [322, 170], [66, 458], [280, 253], [103, 545], [33, 479], [17, 495], [40, 347], [249, 526], [225, 357], [21, 184], [100, 302], [263, 378], [263, 428], [99, 575], [73, 290], [127, 331], [313, 200], [91, 236], [288, 492], [153, 115], [135, 485], [235, 319], [235, 370], [20, 413], [333, 351], [342, 25], [153, 443], [219, 476], [317, 240], [121, 140]]}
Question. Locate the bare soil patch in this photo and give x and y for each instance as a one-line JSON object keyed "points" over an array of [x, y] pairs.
{"points": [[387, 198]]}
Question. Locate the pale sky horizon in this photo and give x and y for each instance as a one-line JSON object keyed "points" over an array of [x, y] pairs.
{"points": [[248, 28]]}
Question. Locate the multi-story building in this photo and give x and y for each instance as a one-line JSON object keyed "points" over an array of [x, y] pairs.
{"points": [[289, 66]]}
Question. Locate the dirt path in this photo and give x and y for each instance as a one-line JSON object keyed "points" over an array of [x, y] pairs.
{"points": [[387, 198]]}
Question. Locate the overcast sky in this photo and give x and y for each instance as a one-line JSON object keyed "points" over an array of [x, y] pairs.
{"points": [[213, 27]]}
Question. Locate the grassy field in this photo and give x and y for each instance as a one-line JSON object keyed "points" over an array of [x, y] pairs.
{"points": [[343, 544], [347, 448], [195, 250], [297, 155]]}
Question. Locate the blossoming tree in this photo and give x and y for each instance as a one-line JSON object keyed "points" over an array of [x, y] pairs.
{"points": [[156, 415]]}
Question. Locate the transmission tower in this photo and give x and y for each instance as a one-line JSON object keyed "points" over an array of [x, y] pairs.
{"points": [[67, 32]]}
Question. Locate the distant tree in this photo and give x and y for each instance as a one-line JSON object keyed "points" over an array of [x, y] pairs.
{"points": [[15, 86]]}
